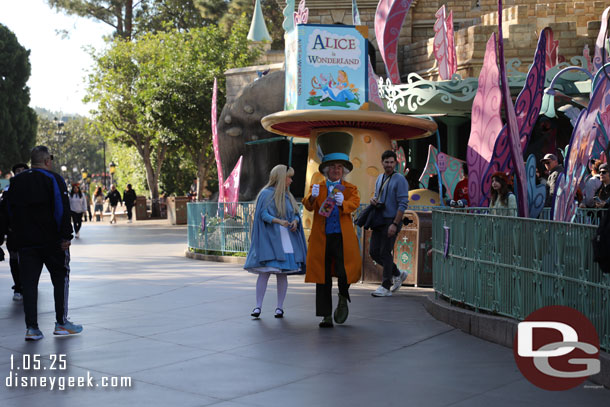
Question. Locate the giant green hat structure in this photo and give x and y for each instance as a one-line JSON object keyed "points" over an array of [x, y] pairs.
{"points": [[334, 147]]}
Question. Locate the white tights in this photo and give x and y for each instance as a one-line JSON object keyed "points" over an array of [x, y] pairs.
{"points": [[261, 288]]}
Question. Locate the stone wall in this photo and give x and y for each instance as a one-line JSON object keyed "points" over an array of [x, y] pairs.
{"points": [[521, 25], [239, 78]]}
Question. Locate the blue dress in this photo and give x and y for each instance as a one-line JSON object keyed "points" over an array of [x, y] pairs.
{"points": [[274, 248]]}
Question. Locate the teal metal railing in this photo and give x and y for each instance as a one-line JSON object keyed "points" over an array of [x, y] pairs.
{"points": [[211, 232], [230, 233], [512, 266]]}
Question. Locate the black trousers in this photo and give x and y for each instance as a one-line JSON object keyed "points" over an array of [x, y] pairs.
{"points": [[334, 253], [85, 214], [129, 211], [381, 250], [77, 220], [14, 264], [57, 261]]}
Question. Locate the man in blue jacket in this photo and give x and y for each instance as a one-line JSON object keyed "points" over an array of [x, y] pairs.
{"points": [[39, 217], [392, 193]]}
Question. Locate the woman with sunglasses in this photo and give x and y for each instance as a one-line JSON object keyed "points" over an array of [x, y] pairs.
{"points": [[591, 185], [602, 196]]}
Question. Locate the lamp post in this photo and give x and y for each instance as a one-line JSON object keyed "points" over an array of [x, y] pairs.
{"points": [[59, 135], [103, 174], [112, 167], [548, 100], [83, 174]]}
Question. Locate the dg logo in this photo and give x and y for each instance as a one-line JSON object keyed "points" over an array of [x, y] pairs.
{"points": [[556, 348]]}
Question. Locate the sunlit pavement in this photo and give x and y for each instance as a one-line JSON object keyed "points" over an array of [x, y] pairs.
{"points": [[181, 330]]}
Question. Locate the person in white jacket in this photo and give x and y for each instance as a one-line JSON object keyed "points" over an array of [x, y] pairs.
{"points": [[78, 206]]}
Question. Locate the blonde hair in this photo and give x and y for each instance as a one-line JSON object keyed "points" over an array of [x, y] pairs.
{"points": [[277, 179]]}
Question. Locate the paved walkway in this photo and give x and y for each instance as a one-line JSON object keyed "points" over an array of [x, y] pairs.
{"points": [[181, 330]]}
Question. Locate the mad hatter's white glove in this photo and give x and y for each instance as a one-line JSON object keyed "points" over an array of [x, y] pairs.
{"points": [[339, 198]]}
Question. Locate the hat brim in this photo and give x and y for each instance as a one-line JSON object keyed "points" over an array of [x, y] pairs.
{"points": [[345, 163]]}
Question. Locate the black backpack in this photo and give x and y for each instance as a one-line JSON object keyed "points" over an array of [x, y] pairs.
{"points": [[601, 243]]}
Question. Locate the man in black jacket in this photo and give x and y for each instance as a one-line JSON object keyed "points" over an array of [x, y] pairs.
{"points": [[39, 218], [14, 256], [114, 197], [554, 168], [129, 197]]}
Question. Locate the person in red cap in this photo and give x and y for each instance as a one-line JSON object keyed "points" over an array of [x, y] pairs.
{"points": [[501, 197], [554, 169]]}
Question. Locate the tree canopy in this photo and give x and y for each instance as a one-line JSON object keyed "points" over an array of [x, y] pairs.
{"points": [[74, 145], [130, 19], [154, 93], [116, 13], [17, 119], [226, 13], [135, 18], [153, 85], [121, 84], [182, 100]]}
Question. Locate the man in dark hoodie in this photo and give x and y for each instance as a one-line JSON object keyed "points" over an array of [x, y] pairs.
{"points": [[39, 218]]}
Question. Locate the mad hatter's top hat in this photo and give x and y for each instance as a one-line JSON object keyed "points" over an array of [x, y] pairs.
{"points": [[334, 147]]}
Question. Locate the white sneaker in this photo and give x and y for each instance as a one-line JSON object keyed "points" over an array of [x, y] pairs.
{"points": [[129, 221], [398, 280], [77, 235], [17, 297], [381, 291]]}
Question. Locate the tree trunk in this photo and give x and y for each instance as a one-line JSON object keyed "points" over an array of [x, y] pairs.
{"points": [[153, 185], [128, 19], [152, 175], [203, 169], [202, 183]]}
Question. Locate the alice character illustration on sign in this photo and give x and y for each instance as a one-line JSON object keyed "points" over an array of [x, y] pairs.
{"points": [[333, 92]]}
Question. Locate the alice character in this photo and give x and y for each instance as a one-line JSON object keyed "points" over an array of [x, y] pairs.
{"points": [[278, 242]]}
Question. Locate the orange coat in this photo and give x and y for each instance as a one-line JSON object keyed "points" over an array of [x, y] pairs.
{"points": [[317, 239]]}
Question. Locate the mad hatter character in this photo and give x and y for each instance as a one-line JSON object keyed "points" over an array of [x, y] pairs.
{"points": [[333, 245]]}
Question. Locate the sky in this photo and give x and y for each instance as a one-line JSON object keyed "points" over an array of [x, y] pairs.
{"points": [[59, 65]]}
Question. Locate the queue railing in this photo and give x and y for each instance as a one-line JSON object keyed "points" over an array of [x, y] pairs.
{"points": [[511, 266]]}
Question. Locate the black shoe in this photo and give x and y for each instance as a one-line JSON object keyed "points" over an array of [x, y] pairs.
{"points": [[256, 312], [279, 313], [342, 311], [327, 322]]}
